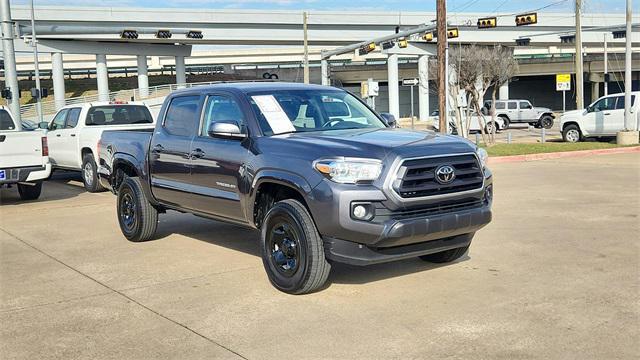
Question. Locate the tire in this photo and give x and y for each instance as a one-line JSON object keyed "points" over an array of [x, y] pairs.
{"points": [[572, 134], [445, 256], [90, 174], [491, 127], [546, 122], [506, 122], [292, 250], [30, 192], [137, 218]]}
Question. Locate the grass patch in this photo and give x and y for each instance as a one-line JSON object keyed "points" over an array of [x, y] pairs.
{"points": [[548, 147]]}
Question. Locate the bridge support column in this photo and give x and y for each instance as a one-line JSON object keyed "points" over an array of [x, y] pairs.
{"points": [[324, 69], [143, 77], [595, 91], [181, 71], [423, 87], [102, 75], [503, 92], [394, 91], [57, 76]]}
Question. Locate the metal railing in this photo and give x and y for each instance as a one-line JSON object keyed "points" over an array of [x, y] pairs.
{"points": [[49, 107]]}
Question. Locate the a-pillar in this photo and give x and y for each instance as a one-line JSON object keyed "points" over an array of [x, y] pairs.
{"points": [[57, 75], [102, 75], [181, 72], [423, 87], [503, 92], [143, 77], [394, 96]]}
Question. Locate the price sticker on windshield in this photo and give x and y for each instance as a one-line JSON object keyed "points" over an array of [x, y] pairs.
{"points": [[273, 113]]}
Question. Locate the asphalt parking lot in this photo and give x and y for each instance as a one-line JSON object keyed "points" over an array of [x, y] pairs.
{"points": [[554, 276]]}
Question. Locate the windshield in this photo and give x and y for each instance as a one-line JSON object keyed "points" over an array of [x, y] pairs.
{"points": [[286, 111], [119, 115]]}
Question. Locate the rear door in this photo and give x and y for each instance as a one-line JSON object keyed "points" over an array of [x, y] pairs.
{"points": [[615, 121], [512, 110], [217, 162], [169, 159]]}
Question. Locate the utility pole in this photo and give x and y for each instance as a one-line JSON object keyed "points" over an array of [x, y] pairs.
{"points": [[36, 64], [628, 120], [10, 73], [306, 48], [579, 71], [441, 19], [606, 69]]}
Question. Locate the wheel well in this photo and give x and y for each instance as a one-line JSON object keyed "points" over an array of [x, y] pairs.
{"points": [[269, 194], [120, 170], [85, 151], [564, 126], [504, 117]]}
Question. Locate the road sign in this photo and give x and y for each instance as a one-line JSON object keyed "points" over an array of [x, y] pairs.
{"points": [[563, 82], [410, 82]]}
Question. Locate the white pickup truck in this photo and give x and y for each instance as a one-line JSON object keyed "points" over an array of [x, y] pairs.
{"points": [[75, 131], [605, 117], [24, 157]]}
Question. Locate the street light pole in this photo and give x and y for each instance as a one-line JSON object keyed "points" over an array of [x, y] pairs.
{"points": [[441, 19], [10, 73], [579, 71], [628, 123], [606, 67], [36, 63], [305, 16]]}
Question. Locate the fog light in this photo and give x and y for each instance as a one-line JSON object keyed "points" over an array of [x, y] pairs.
{"points": [[359, 211], [362, 211]]}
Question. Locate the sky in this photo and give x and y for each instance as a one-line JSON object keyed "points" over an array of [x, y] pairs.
{"points": [[484, 6]]}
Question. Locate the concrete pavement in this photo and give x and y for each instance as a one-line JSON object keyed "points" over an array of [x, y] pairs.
{"points": [[555, 276]]}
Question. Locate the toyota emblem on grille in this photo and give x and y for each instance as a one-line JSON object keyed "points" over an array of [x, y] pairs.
{"points": [[445, 174]]}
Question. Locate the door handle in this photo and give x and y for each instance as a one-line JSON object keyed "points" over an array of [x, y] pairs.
{"points": [[58, 135], [607, 113], [197, 154], [73, 135], [158, 149]]}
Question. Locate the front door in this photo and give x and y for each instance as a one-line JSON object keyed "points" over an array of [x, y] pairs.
{"points": [[169, 159], [598, 117], [68, 153], [526, 112], [54, 138], [217, 162]]}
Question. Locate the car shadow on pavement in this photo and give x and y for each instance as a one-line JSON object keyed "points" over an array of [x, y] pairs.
{"points": [[62, 185], [247, 240]]}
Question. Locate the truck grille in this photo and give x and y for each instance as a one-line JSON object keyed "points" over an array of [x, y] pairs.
{"points": [[417, 176]]}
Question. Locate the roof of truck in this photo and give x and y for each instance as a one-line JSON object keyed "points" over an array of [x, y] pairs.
{"points": [[252, 86]]}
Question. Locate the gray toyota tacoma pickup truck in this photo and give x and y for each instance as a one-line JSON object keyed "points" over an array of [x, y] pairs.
{"points": [[321, 175]]}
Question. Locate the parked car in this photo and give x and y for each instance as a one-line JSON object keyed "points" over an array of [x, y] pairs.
{"points": [[521, 111], [605, 117], [75, 130], [474, 125], [24, 158], [320, 174]]}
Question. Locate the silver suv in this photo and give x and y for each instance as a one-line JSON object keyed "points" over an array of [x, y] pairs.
{"points": [[521, 111]]}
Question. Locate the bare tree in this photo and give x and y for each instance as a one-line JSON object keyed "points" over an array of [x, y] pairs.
{"points": [[501, 68]]}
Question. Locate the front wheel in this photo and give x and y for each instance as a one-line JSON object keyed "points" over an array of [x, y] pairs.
{"points": [[546, 122], [572, 134], [30, 192], [90, 174], [292, 249], [138, 219]]}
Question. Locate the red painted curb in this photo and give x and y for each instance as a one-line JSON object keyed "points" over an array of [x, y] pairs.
{"points": [[559, 155]]}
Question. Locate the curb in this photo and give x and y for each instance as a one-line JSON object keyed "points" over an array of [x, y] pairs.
{"points": [[563, 154]]}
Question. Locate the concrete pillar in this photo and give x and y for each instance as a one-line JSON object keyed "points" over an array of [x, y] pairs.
{"points": [[143, 77], [595, 91], [102, 75], [423, 87], [394, 91], [324, 68], [57, 77], [503, 92], [181, 71]]}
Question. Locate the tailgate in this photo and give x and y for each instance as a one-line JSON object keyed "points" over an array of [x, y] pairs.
{"points": [[21, 149]]}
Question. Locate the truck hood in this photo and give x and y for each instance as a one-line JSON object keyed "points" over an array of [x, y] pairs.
{"points": [[571, 115], [375, 143], [541, 109]]}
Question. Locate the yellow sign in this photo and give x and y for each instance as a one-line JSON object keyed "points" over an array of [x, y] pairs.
{"points": [[563, 82]]}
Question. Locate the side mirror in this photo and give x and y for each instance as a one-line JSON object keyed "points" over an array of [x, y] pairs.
{"points": [[226, 129], [43, 125], [389, 119]]}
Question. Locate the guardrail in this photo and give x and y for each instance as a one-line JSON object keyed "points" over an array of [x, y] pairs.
{"points": [[153, 92]]}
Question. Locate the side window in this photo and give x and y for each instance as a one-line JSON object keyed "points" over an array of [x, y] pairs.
{"points": [[620, 102], [512, 105], [608, 103], [221, 108], [181, 118], [525, 105], [58, 121], [499, 105], [72, 118]]}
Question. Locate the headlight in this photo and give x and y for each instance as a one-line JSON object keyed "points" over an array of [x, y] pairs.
{"points": [[349, 171], [483, 156]]}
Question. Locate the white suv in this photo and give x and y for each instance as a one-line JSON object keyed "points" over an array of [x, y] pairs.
{"points": [[605, 117]]}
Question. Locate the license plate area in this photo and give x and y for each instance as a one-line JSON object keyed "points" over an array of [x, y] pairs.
{"points": [[3, 175]]}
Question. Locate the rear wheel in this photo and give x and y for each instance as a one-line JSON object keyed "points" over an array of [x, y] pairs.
{"points": [[30, 192], [572, 134], [292, 250], [506, 122], [138, 219], [90, 174], [490, 128]]}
